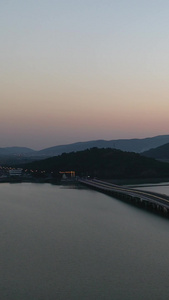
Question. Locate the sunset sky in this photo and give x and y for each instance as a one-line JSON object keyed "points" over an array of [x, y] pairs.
{"points": [[78, 70]]}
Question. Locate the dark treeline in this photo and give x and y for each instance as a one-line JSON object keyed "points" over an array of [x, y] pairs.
{"points": [[103, 163]]}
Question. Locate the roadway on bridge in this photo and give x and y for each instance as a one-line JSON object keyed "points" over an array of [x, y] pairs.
{"points": [[143, 195]]}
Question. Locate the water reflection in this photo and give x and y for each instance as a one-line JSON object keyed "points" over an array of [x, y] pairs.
{"points": [[69, 243]]}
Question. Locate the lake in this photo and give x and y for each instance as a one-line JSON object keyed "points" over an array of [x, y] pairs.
{"points": [[73, 243]]}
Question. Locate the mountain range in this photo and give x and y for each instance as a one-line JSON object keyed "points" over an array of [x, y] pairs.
{"points": [[23, 154], [131, 145]]}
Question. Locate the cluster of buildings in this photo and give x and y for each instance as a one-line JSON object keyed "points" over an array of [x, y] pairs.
{"points": [[6, 172], [9, 173]]}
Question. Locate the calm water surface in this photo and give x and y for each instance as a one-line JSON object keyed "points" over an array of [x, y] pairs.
{"points": [[162, 188], [74, 244]]}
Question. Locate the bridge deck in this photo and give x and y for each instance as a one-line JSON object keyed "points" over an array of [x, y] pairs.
{"points": [[148, 197]]}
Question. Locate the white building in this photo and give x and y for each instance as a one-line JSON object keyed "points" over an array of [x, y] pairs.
{"points": [[16, 172]]}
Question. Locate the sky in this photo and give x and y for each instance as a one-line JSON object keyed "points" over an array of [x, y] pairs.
{"points": [[80, 70]]}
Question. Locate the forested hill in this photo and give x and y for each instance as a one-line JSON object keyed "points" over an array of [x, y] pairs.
{"points": [[103, 163], [161, 152]]}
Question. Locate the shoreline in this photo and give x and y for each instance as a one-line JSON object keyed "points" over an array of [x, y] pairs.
{"points": [[128, 182]]}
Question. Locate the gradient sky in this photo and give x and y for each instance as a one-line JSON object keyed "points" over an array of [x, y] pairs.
{"points": [[78, 70]]}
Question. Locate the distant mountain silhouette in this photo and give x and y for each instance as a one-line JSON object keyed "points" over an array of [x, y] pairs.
{"points": [[12, 155], [131, 145], [16, 151], [161, 152]]}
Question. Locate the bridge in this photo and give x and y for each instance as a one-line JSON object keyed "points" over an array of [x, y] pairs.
{"points": [[150, 200]]}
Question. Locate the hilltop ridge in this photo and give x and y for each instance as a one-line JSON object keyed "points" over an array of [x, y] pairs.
{"points": [[23, 154], [102, 163]]}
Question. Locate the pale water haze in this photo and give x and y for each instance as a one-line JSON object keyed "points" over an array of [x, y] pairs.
{"points": [[79, 70]]}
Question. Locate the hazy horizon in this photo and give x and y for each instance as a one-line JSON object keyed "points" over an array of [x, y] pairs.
{"points": [[79, 141], [83, 70]]}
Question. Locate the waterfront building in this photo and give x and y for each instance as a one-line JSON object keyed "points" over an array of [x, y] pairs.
{"points": [[16, 172]]}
